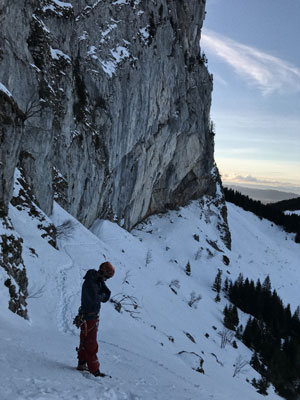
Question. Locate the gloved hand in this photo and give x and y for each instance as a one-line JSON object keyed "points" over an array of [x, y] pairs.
{"points": [[79, 320]]}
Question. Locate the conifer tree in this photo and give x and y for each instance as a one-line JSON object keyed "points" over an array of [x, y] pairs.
{"points": [[188, 269], [217, 298], [240, 280], [261, 385], [296, 314], [216, 287], [254, 362], [235, 316], [226, 286], [295, 322], [247, 335], [266, 286], [239, 332], [231, 318]]}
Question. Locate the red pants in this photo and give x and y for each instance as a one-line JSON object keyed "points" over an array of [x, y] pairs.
{"points": [[88, 345]]}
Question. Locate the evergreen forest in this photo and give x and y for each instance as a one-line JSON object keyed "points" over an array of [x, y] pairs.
{"points": [[271, 212], [272, 332]]}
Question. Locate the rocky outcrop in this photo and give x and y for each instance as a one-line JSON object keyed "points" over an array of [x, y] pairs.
{"points": [[113, 100], [10, 140], [12, 244], [12, 262]]}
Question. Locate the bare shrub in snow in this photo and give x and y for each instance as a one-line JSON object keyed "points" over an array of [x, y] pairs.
{"points": [[193, 360], [210, 254], [198, 254], [65, 230], [218, 361], [127, 303], [34, 293], [175, 284], [194, 299], [126, 278], [239, 366], [226, 337]]}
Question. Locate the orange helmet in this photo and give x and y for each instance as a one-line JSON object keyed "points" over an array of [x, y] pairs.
{"points": [[107, 269]]}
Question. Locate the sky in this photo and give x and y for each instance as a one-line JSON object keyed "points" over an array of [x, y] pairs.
{"points": [[253, 53]]}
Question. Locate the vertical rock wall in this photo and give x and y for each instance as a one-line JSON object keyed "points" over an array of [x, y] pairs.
{"points": [[116, 101]]}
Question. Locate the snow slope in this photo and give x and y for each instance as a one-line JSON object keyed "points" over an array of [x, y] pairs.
{"points": [[297, 212], [154, 346]]}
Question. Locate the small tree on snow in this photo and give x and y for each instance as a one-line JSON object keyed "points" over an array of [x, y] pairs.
{"points": [[261, 385], [188, 269], [216, 287]]}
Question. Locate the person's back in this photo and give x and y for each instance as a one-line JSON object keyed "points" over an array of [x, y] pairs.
{"points": [[94, 292]]}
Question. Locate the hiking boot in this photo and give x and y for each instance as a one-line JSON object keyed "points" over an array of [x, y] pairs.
{"points": [[82, 366], [98, 373]]}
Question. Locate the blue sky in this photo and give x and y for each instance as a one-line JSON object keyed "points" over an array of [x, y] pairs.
{"points": [[253, 52]]}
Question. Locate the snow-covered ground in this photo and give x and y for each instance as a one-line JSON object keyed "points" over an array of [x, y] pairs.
{"points": [[297, 212], [154, 346]]}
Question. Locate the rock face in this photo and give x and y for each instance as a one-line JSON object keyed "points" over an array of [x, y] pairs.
{"points": [[105, 105]]}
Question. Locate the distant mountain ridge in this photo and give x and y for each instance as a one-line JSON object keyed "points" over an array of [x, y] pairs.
{"points": [[264, 195]]}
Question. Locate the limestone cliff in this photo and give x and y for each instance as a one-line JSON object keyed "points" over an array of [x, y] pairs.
{"points": [[105, 105]]}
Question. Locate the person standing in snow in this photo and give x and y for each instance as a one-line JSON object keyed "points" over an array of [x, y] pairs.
{"points": [[94, 292]]}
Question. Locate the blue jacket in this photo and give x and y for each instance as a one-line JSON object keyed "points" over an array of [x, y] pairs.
{"points": [[94, 292]]}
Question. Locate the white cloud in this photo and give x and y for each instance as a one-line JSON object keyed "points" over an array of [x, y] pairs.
{"points": [[250, 179], [265, 71]]}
